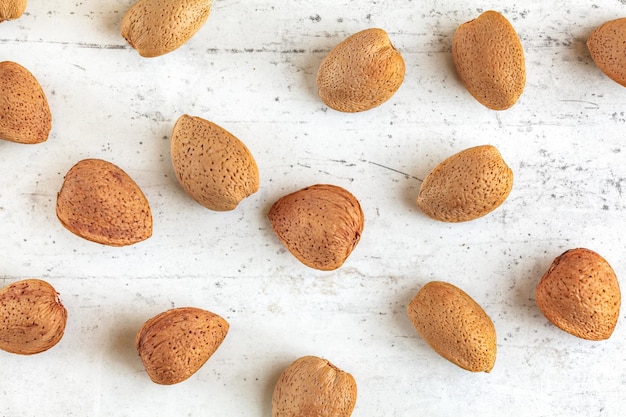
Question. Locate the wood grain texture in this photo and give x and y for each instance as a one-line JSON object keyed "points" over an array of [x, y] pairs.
{"points": [[251, 69]]}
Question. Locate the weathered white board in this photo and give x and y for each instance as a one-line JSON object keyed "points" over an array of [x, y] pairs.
{"points": [[251, 69]]}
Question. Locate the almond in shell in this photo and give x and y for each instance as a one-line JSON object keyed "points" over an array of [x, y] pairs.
{"points": [[320, 225], [454, 325], [580, 294], [214, 167], [466, 186], [607, 45], [11, 9], [157, 27], [175, 344], [489, 59], [99, 202], [24, 112], [361, 72], [312, 386], [33, 318]]}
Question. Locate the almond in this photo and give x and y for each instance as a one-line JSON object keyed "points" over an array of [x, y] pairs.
{"points": [[361, 72], [313, 386], [175, 344], [11, 9], [33, 318], [24, 112], [607, 45], [454, 325], [157, 27], [320, 225], [466, 186], [489, 59], [214, 167], [580, 294], [100, 202]]}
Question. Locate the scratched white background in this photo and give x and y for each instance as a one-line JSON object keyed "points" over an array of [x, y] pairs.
{"points": [[251, 69]]}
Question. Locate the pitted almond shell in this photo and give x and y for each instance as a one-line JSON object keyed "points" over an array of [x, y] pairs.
{"points": [[11, 9], [98, 201], [214, 167], [24, 112], [607, 45], [320, 225], [361, 72], [157, 27], [175, 344], [489, 59], [33, 318], [466, 186], [580, 294], [312, 386], [454, 325]]}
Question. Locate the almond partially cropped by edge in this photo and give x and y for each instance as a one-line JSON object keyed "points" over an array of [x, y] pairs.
{"points": [[312, 386], [607, 45], [24, 112], [214, 167], [320, 225], [33, 318], [466, 186], [157, 27], [175, 344], [361, 72], [454, 325], [11, 9], [580, 294], [98, 201], [489, 58]]}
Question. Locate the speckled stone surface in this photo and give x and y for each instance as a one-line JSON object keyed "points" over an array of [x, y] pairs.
{"points": [[251, 69]]}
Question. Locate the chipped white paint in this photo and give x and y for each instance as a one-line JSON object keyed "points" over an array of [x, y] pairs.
{"points": [[251, 69]]}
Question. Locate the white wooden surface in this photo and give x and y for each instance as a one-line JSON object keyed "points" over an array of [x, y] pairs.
{"points": [[251, 69]]}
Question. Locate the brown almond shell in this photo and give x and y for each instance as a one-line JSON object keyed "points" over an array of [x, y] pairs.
{"points": [[320, 225], [175, 344], [157, 27], [466, 186], [489, 59], [580, 294], [607, 46], [361, 72], [12, 9], [24, 111], [99, 202], [33, 317], [454, 325], [213, 166], [312, 386]]}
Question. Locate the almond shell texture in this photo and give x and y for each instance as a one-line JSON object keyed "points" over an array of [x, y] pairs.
{"points": [[24, 112], [11, 9], [489, 59], [33, 317], [320, 225], [607, 46], [454, 325], [175, 344], [312, 386], [99, 202], [361, 72], [466, 186], [580, 294], [214, 167], [157, 27]]}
